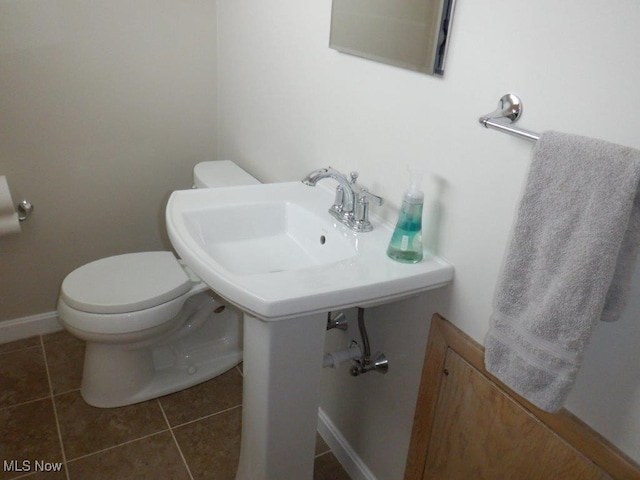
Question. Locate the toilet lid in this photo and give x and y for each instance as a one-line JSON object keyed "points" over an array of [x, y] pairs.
{"points": [[125, 283]]}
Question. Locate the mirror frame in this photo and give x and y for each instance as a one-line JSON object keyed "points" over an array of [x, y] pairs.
{"points": [[345, 38]]}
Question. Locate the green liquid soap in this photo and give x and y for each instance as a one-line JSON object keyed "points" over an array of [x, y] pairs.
{"points": [[406, 242]]}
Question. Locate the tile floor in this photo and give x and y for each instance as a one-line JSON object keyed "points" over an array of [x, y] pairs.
{"points": [[48, 432]]}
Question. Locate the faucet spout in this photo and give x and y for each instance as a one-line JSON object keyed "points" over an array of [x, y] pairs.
{"points": [[344, 193], [349, 207], [314, 177]]}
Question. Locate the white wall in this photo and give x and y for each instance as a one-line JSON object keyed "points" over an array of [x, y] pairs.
{"points": [[289, 104], [104, 108]]}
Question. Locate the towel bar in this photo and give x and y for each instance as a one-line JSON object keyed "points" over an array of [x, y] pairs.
{"points": [[509, 111]]}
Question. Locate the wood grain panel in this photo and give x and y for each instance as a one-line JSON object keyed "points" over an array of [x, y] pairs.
{"points": [[481, 433], [467, 425]]}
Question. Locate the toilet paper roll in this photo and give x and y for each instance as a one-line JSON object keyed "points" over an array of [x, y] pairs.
{"points": [[9, 222]]}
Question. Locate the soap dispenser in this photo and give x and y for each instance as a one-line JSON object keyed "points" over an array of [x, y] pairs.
{"points": [[406, 242]]}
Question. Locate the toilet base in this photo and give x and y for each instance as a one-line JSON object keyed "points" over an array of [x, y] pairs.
{"points": [[163, 382], [115, 375]]}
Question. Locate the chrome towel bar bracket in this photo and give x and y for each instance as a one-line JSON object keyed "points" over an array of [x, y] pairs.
{"points": [[509, 111], [25, 208]]}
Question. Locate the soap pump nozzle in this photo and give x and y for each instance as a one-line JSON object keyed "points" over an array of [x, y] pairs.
{"points": [[414, 194]]}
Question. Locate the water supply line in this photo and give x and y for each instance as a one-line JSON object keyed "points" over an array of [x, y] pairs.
{"points": [[366, 363], [362, 360]]}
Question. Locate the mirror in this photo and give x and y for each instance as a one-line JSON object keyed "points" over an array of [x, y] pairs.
{"points": [[411, 34]]}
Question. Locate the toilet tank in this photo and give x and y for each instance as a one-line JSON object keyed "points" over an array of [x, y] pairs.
{"points": [[220, 173]]}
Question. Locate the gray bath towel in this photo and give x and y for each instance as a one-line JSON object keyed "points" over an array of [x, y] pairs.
{"points": [[572, 252]]}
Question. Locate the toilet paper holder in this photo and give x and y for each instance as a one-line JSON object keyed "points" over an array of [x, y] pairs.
{"points": [[25, 208]]}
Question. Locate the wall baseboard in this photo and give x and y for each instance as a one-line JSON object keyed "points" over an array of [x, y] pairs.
{"points": [[345, 454], [19, 328]]}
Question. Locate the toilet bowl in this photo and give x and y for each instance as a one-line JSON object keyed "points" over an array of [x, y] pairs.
{"points": [[151, 326]]}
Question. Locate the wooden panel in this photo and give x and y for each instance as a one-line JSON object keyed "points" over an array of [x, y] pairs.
{"points": [[481, 433], [445, 338]]}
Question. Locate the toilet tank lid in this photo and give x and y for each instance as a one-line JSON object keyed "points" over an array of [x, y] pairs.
{"points": [[221, 173], [125, 283]]}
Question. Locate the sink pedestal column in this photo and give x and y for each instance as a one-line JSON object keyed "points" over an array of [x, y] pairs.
{"points": [[282, 368]]}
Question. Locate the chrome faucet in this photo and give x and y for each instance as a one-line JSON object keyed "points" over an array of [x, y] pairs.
{"points": [[344, 202], [349, 207]]}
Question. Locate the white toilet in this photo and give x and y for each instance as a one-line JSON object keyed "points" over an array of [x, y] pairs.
{"points": [[151, 326]]}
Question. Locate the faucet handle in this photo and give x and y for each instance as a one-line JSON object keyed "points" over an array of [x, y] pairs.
{"points": [[353, 176], [361, 221], [366, 196]]}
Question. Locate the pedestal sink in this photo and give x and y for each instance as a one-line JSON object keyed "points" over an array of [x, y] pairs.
{"points": [[275, 252]]}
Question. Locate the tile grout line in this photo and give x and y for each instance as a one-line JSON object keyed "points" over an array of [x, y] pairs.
{"points": [[32, 400], [207, 416], [81, 457], [55, 410], [175, 440], [21, 349], [6, 407], [321, 454]]}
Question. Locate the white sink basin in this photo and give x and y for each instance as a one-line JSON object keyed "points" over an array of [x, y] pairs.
{"points": [[275, 251], [267, 237]]}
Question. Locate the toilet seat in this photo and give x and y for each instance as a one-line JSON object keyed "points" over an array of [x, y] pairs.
{"points": [[115, 327], [125, 283]]}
